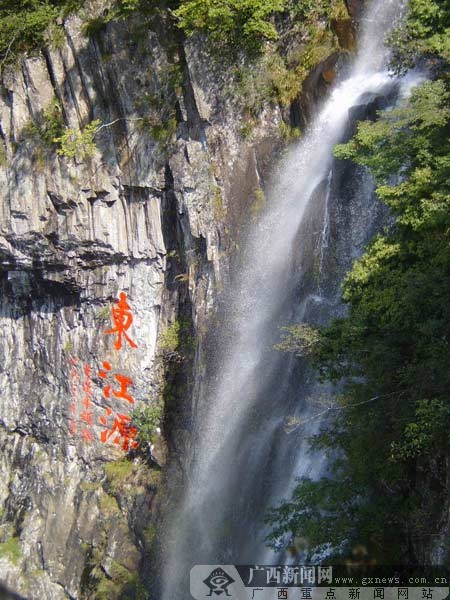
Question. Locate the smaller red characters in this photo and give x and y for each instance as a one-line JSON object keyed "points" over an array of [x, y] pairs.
{"points": [[86, 415], [123, 319], [87, 385], [87, 435], [74, 390]]}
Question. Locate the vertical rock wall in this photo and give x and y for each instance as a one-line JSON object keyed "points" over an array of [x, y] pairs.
{"points": [[144, 216]]}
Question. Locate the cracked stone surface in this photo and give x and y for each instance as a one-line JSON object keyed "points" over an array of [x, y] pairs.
{"points": [[138, 218]]}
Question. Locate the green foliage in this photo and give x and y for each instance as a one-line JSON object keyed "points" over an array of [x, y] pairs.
{"points": [[47, 133], [108, 504], [24, 25], [103, 313], [158, 106], [146, 419], [426, 34], [170, 338], [11, 550], [389, 444], [289, 133], [95, 26], [130, 585], [255, 25], [90, 486], [52, 123], [163, 132], [303, 514], [217, 203], [176, 339], [231, 22], [80, 144], [119, 473], [40, 134], [3, 156], [68, 346], [279, 76], [150, 534], [338, 10], [119, 469], [420, 436], [310, 10], [246, 129], [120, 583], [259, 203], [300, 339], [122, 9], [126, 476]]}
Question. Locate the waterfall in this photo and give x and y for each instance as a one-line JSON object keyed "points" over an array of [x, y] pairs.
{"points": [[244, 459]]}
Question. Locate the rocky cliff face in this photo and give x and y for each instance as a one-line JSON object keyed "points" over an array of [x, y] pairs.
{"points": [[155, 213], [144, 216]]}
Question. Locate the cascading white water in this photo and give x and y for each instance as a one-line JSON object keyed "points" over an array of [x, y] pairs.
{"points": [[243, 461]]}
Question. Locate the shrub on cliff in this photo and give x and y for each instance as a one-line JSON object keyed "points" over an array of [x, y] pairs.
{"points": [[24, 25], [231, 22]]}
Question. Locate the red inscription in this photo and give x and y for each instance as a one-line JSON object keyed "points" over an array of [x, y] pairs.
{"points": [[121, 432], [122, 318]]}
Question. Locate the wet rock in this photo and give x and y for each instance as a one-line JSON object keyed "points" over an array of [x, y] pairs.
{"points": [[345, 31], [329, 75], [355, 8]]}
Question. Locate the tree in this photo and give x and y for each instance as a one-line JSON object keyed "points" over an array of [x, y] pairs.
{"points": [[388, 486]]}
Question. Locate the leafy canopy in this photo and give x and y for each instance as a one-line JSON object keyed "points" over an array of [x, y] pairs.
{"points": [[426, 34]]}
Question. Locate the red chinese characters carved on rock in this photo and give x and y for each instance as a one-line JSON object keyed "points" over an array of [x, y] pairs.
{"points": [[122, 319], [74, 383], [86, 414], [123, 380], [121, 432]]}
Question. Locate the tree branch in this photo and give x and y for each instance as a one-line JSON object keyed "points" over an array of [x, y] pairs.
{"points": [[8, 49], [331, 408], [116, 121]]}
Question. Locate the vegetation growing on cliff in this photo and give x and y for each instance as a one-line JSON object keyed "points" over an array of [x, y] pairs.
{"points": [[147, 420], [25, 25], [31, 24], [389, 484], [425, 36], [10, 549], [283, 39], [75, 143], [249, 24], [231, 22], [279, 42]]}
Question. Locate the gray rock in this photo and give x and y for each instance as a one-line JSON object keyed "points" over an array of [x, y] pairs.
{"points": [[153, 222]]}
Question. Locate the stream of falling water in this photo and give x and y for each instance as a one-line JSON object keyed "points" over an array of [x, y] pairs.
{"points": [[243, 460]]}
